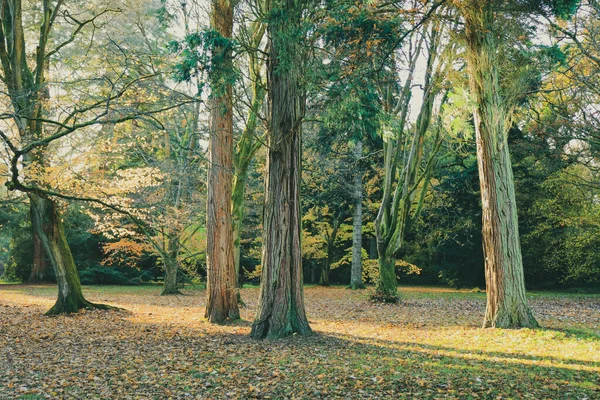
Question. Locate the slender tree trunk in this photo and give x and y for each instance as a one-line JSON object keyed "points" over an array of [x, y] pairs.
{"points": [[356, 269], [314, 273], [324, 280], [247, 145], [280, 309], [239, 187], [39, 272], [505, 284], [221, 303], [52, 235]]}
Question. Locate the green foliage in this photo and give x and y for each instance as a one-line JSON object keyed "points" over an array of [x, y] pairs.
{"points": [[205, 52], [564, 8], [16, 243], [446, 241], [102, 275], [559, 215]]}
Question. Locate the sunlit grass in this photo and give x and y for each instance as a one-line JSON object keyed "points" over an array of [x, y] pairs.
{"points": [[429, 346]]}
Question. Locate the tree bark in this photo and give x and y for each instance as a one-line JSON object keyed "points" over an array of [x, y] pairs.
{"points": [[247, 145], [387, 286], [52, 235], [39, 272], [505, 284], [280, 309], [314, 273], [356, 269], [239, 187], [221, 288], [171, 267], [324, 280]]}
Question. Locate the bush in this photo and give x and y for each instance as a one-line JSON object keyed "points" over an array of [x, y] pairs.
{"points": [[20, 261], [101, 275]]}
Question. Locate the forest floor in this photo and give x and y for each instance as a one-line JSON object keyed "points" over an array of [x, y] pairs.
{"points": [[429, 346]]}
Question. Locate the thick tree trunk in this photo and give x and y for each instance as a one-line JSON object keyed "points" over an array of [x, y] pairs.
{"points": [[281, 303], [356, 269], [41, 265], [387, 285], [171, 268], [505, 284], [52, 235], [221, 303]]}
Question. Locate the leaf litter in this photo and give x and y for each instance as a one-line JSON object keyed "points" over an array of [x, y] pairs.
{"points": [[428, 346]]}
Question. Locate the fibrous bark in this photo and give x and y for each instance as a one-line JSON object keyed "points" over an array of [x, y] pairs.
{"points": [[281, 303], [505, 284], [221, 287]]}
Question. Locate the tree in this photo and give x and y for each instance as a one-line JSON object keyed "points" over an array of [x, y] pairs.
{"points": [[222, 301], [38, 125], [280, 309], [505, 284], [408, 168], [249, 142], [27, 89], [356, 270]]}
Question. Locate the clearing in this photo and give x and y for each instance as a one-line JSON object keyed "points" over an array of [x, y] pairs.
{"points": [[430, 346]]}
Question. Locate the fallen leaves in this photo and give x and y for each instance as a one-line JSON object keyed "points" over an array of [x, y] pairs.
{"points": [[429, 346]]}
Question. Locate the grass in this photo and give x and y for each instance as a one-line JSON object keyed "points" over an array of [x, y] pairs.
{"points": [[429, 346]]}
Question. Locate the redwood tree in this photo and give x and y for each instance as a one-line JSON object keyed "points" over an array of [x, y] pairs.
{"points": [[281, 303], [221, 301]]}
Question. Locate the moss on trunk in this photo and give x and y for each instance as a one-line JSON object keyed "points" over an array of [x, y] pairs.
{"points": [[387, 286], [52, 235], [505, 284]]}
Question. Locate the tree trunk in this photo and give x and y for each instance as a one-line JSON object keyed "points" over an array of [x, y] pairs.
{"points": [[171, 268], [239, 187], [324, 280], [280, 309], [356, 269], [387, 285], [505, 284], [39, 273], [372, 249], [248, 144], [221, 303], [52, 235], [314, 273]]}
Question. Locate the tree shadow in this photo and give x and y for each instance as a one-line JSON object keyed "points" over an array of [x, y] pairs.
{"points": [[164, 359]]}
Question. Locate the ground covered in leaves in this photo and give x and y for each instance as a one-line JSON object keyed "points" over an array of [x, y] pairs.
{"points": [[429, 346]]}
